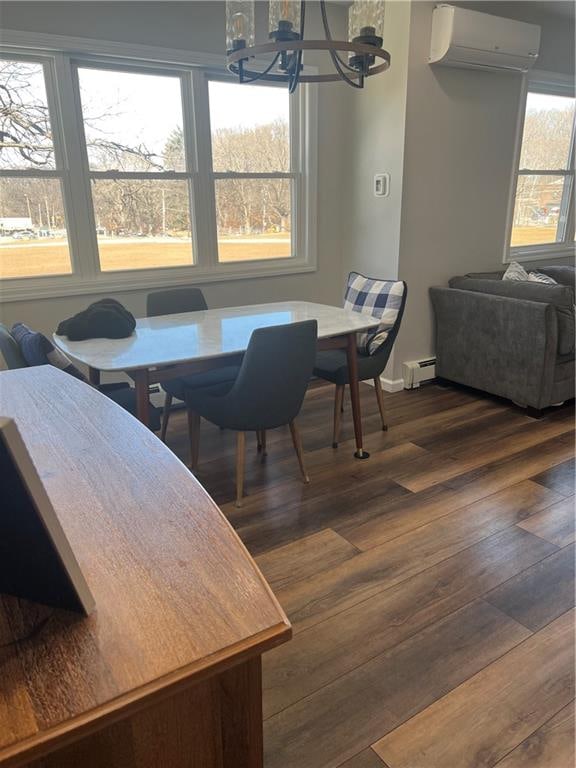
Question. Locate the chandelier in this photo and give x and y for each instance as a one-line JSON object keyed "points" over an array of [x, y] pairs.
{"points": [[283, 54]]}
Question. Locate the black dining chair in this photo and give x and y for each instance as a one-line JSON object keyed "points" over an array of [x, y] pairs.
{"points": [[267, 393], [171, 302], [332, 365]]}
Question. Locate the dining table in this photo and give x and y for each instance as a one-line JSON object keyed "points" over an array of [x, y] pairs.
{"points": [[171, 346]]}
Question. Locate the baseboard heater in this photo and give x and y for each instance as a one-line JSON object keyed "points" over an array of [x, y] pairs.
{"points": [[416, 372]]}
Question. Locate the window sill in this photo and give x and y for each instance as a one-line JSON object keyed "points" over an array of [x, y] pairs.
{"points": [[539, 253], [54, 287]]}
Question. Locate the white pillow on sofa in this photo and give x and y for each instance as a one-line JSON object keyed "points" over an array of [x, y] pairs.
{"points": [[517, 272]]}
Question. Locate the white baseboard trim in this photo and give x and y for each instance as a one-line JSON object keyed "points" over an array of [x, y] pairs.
{"points": [[392, 385], [389, 385]]}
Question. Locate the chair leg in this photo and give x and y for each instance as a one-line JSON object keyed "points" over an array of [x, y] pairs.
{"points": [[380, 399], [263, 444], [298, 448], [194, 436], [240, 457], [258, 440], [165, 416], [338, 408]]}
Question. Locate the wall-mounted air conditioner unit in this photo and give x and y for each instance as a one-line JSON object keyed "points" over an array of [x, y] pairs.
{"points": [[463, 38]]}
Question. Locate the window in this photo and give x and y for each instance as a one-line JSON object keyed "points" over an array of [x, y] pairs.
{"points": [[542, 218], [140, 182], [33, 236], [250, 129], [117, 173]]}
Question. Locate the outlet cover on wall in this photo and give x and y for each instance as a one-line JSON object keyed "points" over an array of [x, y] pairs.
{"points": [[381, 185]]}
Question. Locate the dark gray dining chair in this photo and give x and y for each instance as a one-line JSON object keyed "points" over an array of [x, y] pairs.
{"points": [[267, 393], [171, 302], [332, 365]]}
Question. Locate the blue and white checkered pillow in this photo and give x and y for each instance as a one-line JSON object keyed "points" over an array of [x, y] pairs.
{"points": [[378, 298]]}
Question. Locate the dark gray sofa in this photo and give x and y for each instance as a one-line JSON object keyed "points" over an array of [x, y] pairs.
{"points": [[510, 338]]}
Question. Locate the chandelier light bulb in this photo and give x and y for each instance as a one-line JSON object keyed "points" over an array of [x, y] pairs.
{"points": [[239, 24]]}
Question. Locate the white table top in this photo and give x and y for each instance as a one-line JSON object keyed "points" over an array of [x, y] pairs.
{"points": [[181, 338]]}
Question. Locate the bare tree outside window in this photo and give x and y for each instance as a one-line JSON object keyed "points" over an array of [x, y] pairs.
{"points": [[140, 184], [545, 179], [33, 237], [25, 131], [141, 181], [251, 166]]}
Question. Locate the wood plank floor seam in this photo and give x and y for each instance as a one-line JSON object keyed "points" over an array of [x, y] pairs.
{"points": [[528, 737], [425, 570], [387, 747], [375, 590], [474, 642], [456, 509], [392, 646], [417, 600]]}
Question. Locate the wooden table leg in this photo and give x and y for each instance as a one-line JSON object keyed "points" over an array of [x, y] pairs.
{"points": [[142, 399], [351, 353], [94, 376]]}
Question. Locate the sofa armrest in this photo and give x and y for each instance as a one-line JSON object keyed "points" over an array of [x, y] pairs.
{"points": [[502, 345]]}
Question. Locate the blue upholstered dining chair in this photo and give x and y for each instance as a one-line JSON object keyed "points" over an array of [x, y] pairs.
{"points": [[267, 393], [171, 302], [10, 355], [122, 393], [384, 299]]}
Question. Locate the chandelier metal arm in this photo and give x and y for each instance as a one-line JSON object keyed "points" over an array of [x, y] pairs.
{"points": [[295, 77], [252, 78], [316, 45], [329, 37], [336, 61]]}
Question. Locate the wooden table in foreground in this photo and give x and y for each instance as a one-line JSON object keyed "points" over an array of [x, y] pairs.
{"points": [[170, 346], [166, 671]]}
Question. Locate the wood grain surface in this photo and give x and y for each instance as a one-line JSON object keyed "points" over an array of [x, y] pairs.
{"points": [[463, 504], [493, 712], [431, 581], [178, 596]]}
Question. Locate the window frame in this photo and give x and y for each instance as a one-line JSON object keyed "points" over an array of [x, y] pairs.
{"points": [[61, 57], [539, 81], [293, 174], [189, 175], [61, 161]]}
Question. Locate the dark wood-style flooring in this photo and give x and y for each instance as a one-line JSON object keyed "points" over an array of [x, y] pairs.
{"points": [[431, 588]]}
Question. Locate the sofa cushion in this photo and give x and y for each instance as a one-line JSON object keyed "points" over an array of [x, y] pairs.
{"points": [[565, 275], [560, 296], [37, 349], [517, 272]]}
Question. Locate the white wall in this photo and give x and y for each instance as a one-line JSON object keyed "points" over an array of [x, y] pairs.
{"points": [[376, 125], [458, 161], [197, 26]]}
